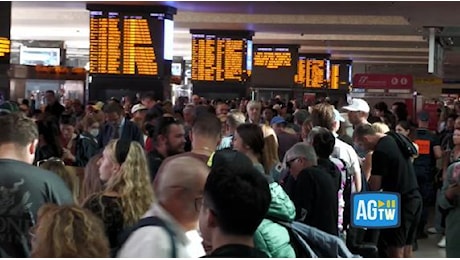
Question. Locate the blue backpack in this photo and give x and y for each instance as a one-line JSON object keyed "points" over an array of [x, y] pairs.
{"points": [[310, 242]]}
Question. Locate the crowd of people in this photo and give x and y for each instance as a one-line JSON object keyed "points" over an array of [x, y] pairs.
{"points": [[201, 178]]}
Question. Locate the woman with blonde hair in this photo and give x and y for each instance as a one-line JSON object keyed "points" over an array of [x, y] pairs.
{"points": [[127, 194], [68, 231], [57, 166], [380, 127], [91, 182]]}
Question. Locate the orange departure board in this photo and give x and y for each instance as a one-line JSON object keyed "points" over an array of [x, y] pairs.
{"points": [[340, 74], [5, 28], [273, 58], [126, 43], [5, 47], [335, 76], [274, 65], [220, 56], [312, 72]]}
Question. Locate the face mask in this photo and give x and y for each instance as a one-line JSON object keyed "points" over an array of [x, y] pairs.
{"points": [[94, 132]]}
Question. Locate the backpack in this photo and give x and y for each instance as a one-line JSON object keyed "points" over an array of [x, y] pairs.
{"points": [[345, 188], [405, 145], [310, 242], [144, 222]]}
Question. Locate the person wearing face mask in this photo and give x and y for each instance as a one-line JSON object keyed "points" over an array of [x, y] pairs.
{"points": [[87, 144]]}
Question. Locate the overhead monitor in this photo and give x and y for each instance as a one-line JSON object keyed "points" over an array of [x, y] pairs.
{"points": [[176, 69], [274, 65], [129, 42], [39, 56], [340, 74], [221, 56], [312, 70]]}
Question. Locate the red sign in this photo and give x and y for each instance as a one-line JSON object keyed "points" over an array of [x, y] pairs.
{"points": [[385, 81]]}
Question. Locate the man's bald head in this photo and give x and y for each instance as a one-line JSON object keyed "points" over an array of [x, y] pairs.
{"points": [[184, 171]]}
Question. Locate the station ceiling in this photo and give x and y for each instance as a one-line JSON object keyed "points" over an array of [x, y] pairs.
{"points": [[365, 32]]}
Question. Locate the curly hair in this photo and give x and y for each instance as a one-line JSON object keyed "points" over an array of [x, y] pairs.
{"points": [[132, 183], [68, 231]]}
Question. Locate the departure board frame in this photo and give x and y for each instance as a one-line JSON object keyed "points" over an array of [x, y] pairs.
{"points": [[221, 56], [129, 40], [5, 34], [313, 70], [274, 65]]}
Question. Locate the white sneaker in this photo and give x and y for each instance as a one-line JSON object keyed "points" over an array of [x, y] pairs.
{"points": [[432, 230], [442, 243]]}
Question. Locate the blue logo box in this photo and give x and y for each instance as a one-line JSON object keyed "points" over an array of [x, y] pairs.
{"points": [[376, 210]]}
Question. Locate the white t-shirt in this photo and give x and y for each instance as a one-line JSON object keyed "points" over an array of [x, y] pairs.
{"points": [[155, 242], [346, 152]]}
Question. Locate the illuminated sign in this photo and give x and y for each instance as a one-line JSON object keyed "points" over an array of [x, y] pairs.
{"points": [[5, 26], [220, 56], [273, 58], [129, 42], [335, 76], [340, 74], [274, 65], [5, 47], [39, 56], [312, 72]]}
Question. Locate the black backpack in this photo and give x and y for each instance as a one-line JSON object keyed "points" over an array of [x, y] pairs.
{"points": [[406, 146], [148, 221]]}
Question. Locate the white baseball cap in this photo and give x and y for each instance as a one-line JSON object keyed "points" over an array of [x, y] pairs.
{"points": [[358, 104], [138, 107]]}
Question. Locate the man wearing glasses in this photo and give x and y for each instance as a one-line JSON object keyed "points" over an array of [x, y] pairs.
{"points": [[179, 195], [23, 188], [312, 190]]}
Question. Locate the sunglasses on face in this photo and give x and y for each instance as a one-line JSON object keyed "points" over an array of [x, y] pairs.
{"points": [[289, 163]]}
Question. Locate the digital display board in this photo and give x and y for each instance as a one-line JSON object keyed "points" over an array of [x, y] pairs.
{"points": [[5, 25], [312, 71], [220, 56], [126, 42], [340, 74], [274, 65], [5, 48], [39, 56]]}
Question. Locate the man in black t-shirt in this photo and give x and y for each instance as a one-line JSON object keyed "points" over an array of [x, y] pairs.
{"points": [[313, 190], [393, 172], [429, 150], [23, 188]]}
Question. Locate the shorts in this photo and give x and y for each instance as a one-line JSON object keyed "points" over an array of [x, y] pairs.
{"points": [[406, 233]]}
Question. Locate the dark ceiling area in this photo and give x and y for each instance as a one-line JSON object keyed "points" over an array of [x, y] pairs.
{"points": [[368, 32]]}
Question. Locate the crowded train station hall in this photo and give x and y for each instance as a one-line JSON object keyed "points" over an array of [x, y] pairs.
{"points": [[220, 129]]}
